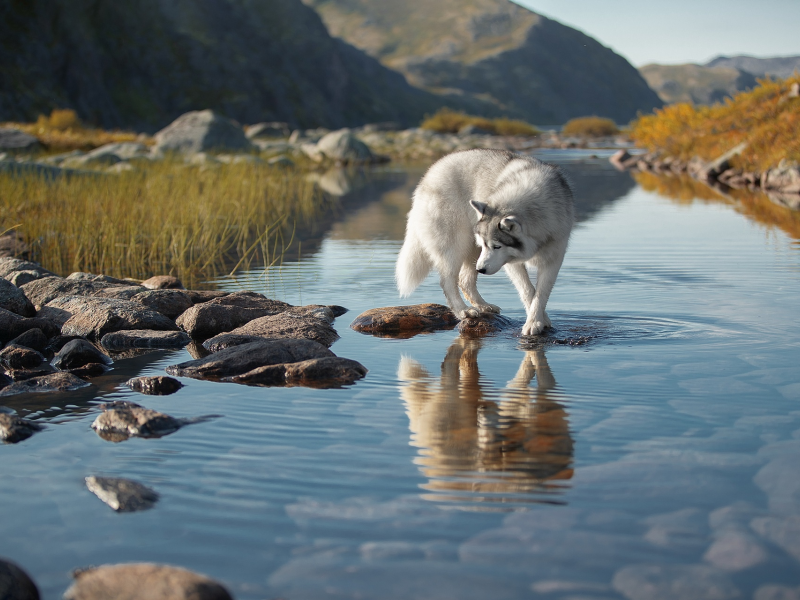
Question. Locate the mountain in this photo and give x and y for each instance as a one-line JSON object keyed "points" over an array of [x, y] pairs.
{"points": [[501, 57], [779, 66], [141, 63], [695, 83]]}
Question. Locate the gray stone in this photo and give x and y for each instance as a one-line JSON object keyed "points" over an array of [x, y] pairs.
{"points": [[143, 338], [87, 161], [15, 429], [735, 551], [81, 276], [284, 325], [155, 385], [471, 129], [783, 532], [122, 150], [20, 357], [45, 289], [52, 382], [15, 140], [669, 582], [163, 282], [777, 592], [120, 292], [10, 264], [12, 325], [123, 495], [121, 420], [328, 372], [78, 353], [14, 299], [202, 131], [783, 178], [20, 278], [143, 581], [246, 357], [267, 130], [170, 303], [227, 313], [33, 338], [281, 161], [344, 147], [16, 584]]}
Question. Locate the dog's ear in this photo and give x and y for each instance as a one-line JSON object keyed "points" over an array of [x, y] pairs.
{"points": [[480, 208], [509, 224]]}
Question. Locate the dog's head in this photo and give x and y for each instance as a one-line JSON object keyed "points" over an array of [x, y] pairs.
{"points": [[499, 238]]}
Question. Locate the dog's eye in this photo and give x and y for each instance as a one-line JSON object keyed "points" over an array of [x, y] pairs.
{"points": [[496, 247]]}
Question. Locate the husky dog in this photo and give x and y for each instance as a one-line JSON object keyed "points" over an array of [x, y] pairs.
{"points": [[479, 210]]}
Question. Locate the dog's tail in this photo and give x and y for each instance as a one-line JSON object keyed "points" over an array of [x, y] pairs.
{"points": [[413, 266]]}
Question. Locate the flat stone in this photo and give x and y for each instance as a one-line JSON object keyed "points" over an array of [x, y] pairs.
{"points": [[20, 357], [283, 326], [33, 338], [41, 291], [121, 419], [246, 357], [735, 551], [13, 325], [15, 429], [227, 313], [201, 296], [16, 584], [144, 338], [10, 265], [53, 382], [14, 299], [89, 370], [124, 292], [123, 495], [143, 581], [78, 353], [82, 276], [222, 342], [170, 303], [20, 278], [404, 321], [163, 282], [154, 386], [668, 582], [329, 372]]}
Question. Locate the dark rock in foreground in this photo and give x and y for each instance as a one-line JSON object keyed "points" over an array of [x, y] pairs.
{"points": [[123, 495], [14, 429], [12, 325], [15, 584], [227, 313], [25, 374], [89, 370], [332, 371], [404, 321], [53, 382], [143, 338], [121, 420], [154, 386], [20, 357], [14, 299], [282, 326], [143, 581], [34, 339], [246, 357], [78, 353]]}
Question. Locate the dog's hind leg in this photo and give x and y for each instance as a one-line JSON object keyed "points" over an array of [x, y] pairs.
{"points": [[518, 274], [468, 282]]}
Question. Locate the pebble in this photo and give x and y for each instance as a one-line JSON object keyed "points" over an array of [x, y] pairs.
{"points": [[121, 419]]}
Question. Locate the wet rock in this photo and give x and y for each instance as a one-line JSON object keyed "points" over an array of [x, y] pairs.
{"points": [[405, 321], [9, 265], [56, 343], [41, 291], [14, 299], [777, 592], [143, 581], [337, 310], [246, 357], [735, 551], [25, 374], [282, 326], [202, 131], [163, 282], [783, 532], [13, 325], [78, 353], [170, 303], [15, 584], [89, 370], [94, 317], [326, 372], [5, 380], [15, 429], [667, 582], [484, 325], [52, 382], [20, 357], [121, 420], [143, 338], [33, 338], [154, 386], [227, 313], [123, 495], [222, 342]]}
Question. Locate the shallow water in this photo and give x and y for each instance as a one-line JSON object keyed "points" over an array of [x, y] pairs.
{"points": [[663, 446]]}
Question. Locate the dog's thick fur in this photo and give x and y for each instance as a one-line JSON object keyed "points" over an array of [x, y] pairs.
{"points": [[479, 210]]}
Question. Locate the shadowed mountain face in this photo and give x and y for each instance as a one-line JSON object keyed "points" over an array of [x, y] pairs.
{"points": [[779, 66], [493, 53], [141, 63], [695, 83]]}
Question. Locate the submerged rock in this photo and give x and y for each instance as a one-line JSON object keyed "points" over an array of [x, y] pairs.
{"points": [[20, 357], [15, 584], [283, 326], [170, 303], [15, 429], [226, 313], [246, 357], [143, 581], [121, 420], [78, 353], [123, 495], [53, 382], [404, 321], [154, 386], [143, 338], [328, 372], [14, 299]]}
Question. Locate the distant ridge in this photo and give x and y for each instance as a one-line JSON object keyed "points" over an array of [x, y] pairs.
{"points": [[695, 83], [778, 66]]}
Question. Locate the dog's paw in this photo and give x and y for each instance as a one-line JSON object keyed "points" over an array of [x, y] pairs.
{"points": [[534, 327], [488, 308], [468, 313]]}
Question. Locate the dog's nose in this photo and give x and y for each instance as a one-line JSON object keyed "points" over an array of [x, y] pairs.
{"points": [[482, 271]]}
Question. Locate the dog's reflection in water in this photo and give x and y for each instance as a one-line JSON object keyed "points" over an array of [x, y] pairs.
{"points": [[479, 443]]}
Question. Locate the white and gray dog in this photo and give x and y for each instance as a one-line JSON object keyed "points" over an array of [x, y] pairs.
{"points": [[479, 210]]}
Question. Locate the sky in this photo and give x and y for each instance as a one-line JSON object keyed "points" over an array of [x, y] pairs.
{"points": [[681, 31]]}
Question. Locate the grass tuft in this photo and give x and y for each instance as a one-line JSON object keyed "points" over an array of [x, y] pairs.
{"points": [[590, 127], [446, 120]]}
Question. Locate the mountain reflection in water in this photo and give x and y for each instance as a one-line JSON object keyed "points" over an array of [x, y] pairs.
{"points": [[483, 444]]}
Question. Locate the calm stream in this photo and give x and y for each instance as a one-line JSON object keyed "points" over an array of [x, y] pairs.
{"points": [[663, 445]]}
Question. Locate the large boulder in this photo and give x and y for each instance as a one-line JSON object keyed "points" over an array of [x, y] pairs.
{"points": [[41, 291], [404, 321], [327, 372], [283, 325], [202, 131], [16, 140], [344, 147], [170, 303], [226, 313]]}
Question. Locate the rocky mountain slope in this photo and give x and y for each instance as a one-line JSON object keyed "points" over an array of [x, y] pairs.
{"points": [[495, 54], [695, 83], [141, 63], [778, 66]]}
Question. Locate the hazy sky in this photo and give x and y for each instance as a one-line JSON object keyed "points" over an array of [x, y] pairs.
{"points": [[681, 31]]}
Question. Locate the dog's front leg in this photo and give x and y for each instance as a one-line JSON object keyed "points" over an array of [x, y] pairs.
{"points": [[518, 274], [449, 283], [538, 320]]}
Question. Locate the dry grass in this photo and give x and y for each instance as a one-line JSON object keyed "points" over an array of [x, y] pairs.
{"points": [[163, 219], [63, 131], [590, 127], [446, 120], [765, 117]]}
